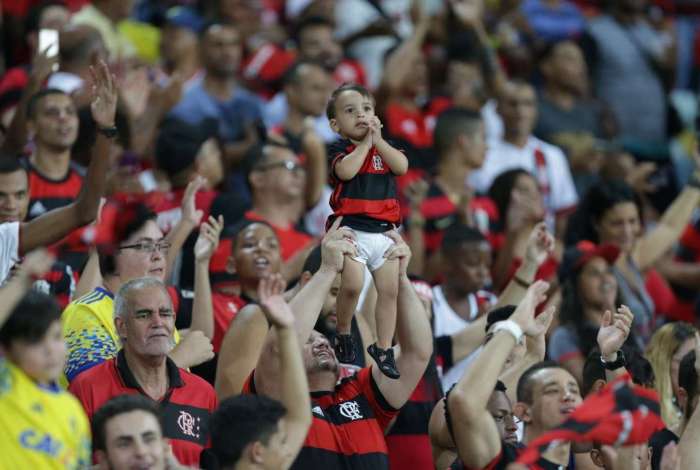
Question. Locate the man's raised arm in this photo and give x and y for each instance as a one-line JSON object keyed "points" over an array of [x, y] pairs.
{"points": [[294, 385], [413, 332], [475, 432], [58, 223]]}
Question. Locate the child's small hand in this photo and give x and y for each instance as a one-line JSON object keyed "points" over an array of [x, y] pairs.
{"points": [[375, 128]]}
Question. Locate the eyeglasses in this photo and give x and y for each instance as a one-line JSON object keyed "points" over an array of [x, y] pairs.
{"points": [[287, 165], [148, 247]]}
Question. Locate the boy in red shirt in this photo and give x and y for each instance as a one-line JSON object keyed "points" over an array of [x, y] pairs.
{"points": [[362, 169]]}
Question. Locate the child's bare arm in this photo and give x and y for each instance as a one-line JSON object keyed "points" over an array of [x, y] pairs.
{"points": [[348, 166]]}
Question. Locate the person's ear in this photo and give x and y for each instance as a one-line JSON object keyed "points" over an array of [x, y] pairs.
{"points": [[231, 265], [255, 178], [597, 458], [333, 122], [597, 386], [102, 462], [120, 324], [522, 411], [256, 452]]}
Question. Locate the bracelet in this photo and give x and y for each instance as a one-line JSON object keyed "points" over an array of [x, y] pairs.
{"points": [[520, 282], [620, 361], [511, 327]]}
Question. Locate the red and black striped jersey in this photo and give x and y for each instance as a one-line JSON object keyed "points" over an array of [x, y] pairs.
{"points": [[440, 212], [371, 194], [186, 408], [408, 439], [59, 283], [348, 426], [45, 195]]}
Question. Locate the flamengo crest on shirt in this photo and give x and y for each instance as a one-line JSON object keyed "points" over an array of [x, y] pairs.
{"points": [[350, 410]]}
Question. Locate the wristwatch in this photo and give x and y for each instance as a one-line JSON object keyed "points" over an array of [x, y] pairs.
{"points": [[616, 364], [109, 132]]}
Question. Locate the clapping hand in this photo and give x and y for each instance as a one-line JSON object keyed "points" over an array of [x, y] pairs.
{"points": [[614, 330], [540, 244], [275, 308], [208, 240]]}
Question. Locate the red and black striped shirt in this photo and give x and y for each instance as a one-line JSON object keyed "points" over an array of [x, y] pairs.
{"points": [[369, 201], [508, 455]]}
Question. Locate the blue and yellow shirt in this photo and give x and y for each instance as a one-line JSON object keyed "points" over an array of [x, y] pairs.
{"points": [[40, 427]]}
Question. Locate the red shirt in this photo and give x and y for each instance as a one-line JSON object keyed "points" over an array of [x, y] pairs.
{"points": [[225, 309], [186, 408], [291, 240]]}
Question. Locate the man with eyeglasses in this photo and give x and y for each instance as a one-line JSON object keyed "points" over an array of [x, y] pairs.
{"points": [[145, 321], [277, 182], [138, 250]]}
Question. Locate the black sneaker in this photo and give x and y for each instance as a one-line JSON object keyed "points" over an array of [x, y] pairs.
{"points": [[385, 360], [344, 346]]}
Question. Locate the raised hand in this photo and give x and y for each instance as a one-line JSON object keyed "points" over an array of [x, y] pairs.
{"points": [[542, 322], [614, 330], [36, 263], [469, 12], [195, 348], [540, 244], [208, 240], [416, 192], [104, 95], [524, 314], [43, 65], [275, 308], [336, 244], [190, 213], [135, 91], [399, 250]]}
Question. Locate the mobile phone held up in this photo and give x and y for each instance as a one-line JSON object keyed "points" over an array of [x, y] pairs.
{"points": [[48, 41]]}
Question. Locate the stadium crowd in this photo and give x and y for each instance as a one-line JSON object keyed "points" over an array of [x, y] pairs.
{"points": [[350, 234]]}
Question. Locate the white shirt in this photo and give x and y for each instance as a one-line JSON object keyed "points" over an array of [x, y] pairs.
{"points": [[275, 112], [502, 156], [9, 248], [446, 322]]}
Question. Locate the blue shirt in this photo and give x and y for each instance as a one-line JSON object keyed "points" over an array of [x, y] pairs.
{"points": [[242, 109]]}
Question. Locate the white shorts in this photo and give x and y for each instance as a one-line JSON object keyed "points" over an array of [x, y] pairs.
{"points": [[371, 248]]}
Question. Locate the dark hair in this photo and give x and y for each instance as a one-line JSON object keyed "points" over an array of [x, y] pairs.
{"points": [[309, 22], [457, 234], [118, 406], [241, 420], [524, 391], [688, 379], [330, 108], [291, 75], [499, 314], [30, 319], [10, 164], [235, 230], [451, 124], [33, 103], [313, 261], [592, 371], [132, 218], [502, 188], [257, 156], [33, 18], [210, 24], [600, 198]]}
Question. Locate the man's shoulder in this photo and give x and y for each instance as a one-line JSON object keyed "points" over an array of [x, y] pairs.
{"points": [[93, 378]]}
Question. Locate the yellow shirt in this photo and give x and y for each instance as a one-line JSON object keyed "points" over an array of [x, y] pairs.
{"points": [[40, 428], [90, 333]]}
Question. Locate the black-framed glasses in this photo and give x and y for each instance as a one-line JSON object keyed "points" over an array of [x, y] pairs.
{"points": [[287, 165], [148, 247]]}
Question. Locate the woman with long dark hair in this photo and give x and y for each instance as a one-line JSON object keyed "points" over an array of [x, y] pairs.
{"points": [[610, 213]]}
